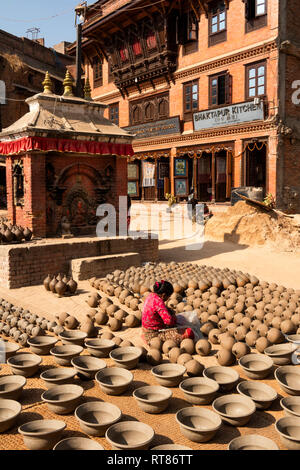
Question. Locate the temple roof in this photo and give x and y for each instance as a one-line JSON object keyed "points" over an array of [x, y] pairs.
{"points": [[65, 117]]}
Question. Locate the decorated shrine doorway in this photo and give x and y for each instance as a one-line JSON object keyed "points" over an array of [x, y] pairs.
{"points": [[256, 164]]}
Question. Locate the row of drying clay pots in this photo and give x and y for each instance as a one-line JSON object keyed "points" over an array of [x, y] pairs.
{"points": [[60, 284], [195, 424], [110, 314], [14, 233]]}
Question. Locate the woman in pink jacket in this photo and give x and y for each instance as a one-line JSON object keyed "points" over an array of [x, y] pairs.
{"points": [[158, 320]]}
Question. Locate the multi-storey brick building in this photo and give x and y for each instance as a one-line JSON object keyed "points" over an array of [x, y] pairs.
{"points": [[209, 87]]}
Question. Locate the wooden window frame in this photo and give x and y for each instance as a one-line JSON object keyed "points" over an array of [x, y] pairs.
{"points": [[188, 115], [255, 21], [153, 100], [255, 65], [228, 90], [220, 35], [97, 80], [110, 76], [111, 113]]}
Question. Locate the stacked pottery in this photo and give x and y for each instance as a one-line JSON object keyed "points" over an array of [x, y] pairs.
{"points": [[60, 285]]}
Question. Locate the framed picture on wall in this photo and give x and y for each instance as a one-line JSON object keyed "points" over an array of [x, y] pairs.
{"points": [[133, 188], [132, 171], [180, 167], [181, 187]]}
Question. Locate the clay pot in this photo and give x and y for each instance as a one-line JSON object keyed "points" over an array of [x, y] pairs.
{"points": [[275, 336], [199, 391], [251, 338], [114, 324], [64, 354], [289, 432], [168, 375], [71, 323], [58, 376], [114, 380], [24, 364], [198, 424], [240, 333], [129, 435], [101, 318], [152, 399], [46, 282], [225, 357], [60, 288], [263, 395], [72, 286], [61, 318], [288, 377], [261, 344], [96, 417], [52, 284], [11, 387], [93, 301], [235, 410], [240, 349], [88, 327], [194, 368], [183, 358], [187, 346], [174, 354], [287, 327], [87, 366], [131, 321], [281, 354], [154, 357], [63, 399], [27, 234], [167, 346]]}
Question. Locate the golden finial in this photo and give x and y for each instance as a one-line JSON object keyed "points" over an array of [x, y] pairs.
{"points": [[87, 90], [47, 84], [68, 85]]}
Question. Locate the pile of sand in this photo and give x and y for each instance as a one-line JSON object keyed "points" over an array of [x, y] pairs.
{"points": [[247, 224]]}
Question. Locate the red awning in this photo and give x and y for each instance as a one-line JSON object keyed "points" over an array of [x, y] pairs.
{"points": [[45, 144]]}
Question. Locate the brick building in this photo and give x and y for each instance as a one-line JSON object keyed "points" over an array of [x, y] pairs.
{"points": [[23, 63], [208, 87]]}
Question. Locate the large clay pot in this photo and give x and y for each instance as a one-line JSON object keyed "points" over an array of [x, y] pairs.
{"points": [[60, 288], [46, 282], [8, 235], [27, 234], [72, 286], [52, 284]]}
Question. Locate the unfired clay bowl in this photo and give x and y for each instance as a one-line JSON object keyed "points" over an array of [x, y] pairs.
{"points": [[256, 366], [58, 376], [127, 358], [169, 375], [10, 349], [281, 354], [99, 347], [42, 344], [289, 432], [63, 399], [288, 378], [198, 424], [291, 406], [171, 447], [95, 417], [152, 399], [73, 337], [64, 354], [129, 435], [87, 366], [25, 364], [114, 380], [41, 434], [294, 339], [199, 390], [263, 395], [234, 409], [252, 442], [77, 443], [11, 386], [9, 412], [226, 377]]}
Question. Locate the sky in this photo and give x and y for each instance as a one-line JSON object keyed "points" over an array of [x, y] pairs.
{"points": [[17, 16]]}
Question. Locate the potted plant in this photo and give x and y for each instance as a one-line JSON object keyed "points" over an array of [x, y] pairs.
{"points": [[171, 200], [270, 201]]}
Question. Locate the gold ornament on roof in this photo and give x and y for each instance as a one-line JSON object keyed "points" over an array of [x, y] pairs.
{"points": [[87, 90], [68, 85], [47, 84]]}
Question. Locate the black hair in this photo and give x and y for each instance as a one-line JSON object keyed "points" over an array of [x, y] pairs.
{"points": [[163, 287]]}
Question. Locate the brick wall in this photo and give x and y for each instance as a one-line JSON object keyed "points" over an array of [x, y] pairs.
{"points": [[28, 264]]}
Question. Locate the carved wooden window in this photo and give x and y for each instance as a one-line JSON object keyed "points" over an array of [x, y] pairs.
{"points": [[97, 72], [151, 41], [217, 23], [148, 109], [220, 89], [114, 113], [256, 14], [137, 115], [163, 109], [137, 48], [256, 80], [190, 99], [110, 77], [124, 54]]}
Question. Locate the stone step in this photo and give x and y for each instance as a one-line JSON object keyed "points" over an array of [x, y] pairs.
{"points": [[98, 266]]}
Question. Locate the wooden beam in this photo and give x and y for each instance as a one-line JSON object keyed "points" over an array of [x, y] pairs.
{"points": [[203, 6], [194, 10]]}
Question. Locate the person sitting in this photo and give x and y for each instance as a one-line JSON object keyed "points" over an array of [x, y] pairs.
{"points": [[158, 320]]}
